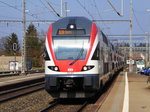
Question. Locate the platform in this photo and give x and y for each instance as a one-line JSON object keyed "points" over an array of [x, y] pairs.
{"points": [[20, 78], [130, 93]]}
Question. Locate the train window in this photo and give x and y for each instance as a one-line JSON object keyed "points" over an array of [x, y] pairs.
{"points": [[112, 47], [46, 56], [101, 53], [104, 38], [71, 32], [111, 57], [96, 53], [115, 58]]}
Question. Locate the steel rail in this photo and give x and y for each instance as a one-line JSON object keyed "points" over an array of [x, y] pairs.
{"points": [[14, 91], [83, 106], [55, 103]]}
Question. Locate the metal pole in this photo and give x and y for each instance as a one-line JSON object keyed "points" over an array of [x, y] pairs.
{"points": [[15, 49], [24, 37], [148, 43], [61, 8], [65, 5], [148, 49], [130, 53], [15, 62], [122, 7]]}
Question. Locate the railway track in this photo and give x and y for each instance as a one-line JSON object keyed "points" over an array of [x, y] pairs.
{"points": [[16, 90], [84, 105], [66, 106], [15, 73], [71, 105], [53, 104]]}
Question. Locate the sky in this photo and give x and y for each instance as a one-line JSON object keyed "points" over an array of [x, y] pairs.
{"points": [[92, 9]]}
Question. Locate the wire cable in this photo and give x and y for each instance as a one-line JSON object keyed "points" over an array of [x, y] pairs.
{"points": [[85, 9], [16, 8], [11, 6], [138, 22], [53, 8], [95, 5]]}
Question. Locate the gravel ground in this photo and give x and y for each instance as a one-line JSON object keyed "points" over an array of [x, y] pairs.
{"points": [[29, 103]]}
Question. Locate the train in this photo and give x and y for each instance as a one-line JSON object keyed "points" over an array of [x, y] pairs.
{"points": [[79, 59]]}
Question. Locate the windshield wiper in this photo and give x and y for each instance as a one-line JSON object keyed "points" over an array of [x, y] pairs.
{"points": [[78, 57]]}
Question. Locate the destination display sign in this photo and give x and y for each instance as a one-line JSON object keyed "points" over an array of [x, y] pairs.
{"points": [[71, 32]]}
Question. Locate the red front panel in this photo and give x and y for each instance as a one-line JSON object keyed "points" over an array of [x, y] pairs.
{"points": [[64, 64]]}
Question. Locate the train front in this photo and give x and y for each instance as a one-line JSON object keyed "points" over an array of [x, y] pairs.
{"points": [[71, 68]]}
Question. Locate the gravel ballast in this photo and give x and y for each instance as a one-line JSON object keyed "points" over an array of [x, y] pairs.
{"points": [[29, 103]]}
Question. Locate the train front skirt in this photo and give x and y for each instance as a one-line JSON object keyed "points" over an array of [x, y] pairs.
{"points": [[76, 86]]}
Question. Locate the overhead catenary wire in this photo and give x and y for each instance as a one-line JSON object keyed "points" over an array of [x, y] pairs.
{"points": [[16, 8], [10, 6], [95, 5], [52, 8], [138, 22], [85, 9], [45, 8], [44, 4], [114, 8]]}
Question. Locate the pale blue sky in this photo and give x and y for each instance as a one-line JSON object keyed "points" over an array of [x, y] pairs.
{"points": [[39, 10]]}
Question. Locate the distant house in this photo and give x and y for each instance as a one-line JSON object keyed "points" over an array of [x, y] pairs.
{"points": [[10, 63]]}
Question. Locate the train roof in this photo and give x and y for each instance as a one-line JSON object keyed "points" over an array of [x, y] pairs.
{"points": [[79, 22]]}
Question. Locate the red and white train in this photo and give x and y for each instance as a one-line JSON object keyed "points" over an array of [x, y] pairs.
{"points": [[79, 59]]}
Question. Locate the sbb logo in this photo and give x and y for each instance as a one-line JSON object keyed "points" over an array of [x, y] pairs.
{"points": [[70, 69]]}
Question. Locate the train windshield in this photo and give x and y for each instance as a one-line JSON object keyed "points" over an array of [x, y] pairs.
{"points": [[140, 62], [70, 48]]}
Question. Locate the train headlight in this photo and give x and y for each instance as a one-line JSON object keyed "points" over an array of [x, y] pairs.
{"points": [[71, 26], [86, 68], [54, 68]]}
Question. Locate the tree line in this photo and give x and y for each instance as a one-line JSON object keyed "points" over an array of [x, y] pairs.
{"points": [[34, 46]]}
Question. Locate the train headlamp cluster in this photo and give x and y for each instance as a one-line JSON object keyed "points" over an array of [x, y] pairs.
{"points": [[86, 68], [54, 68]]}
